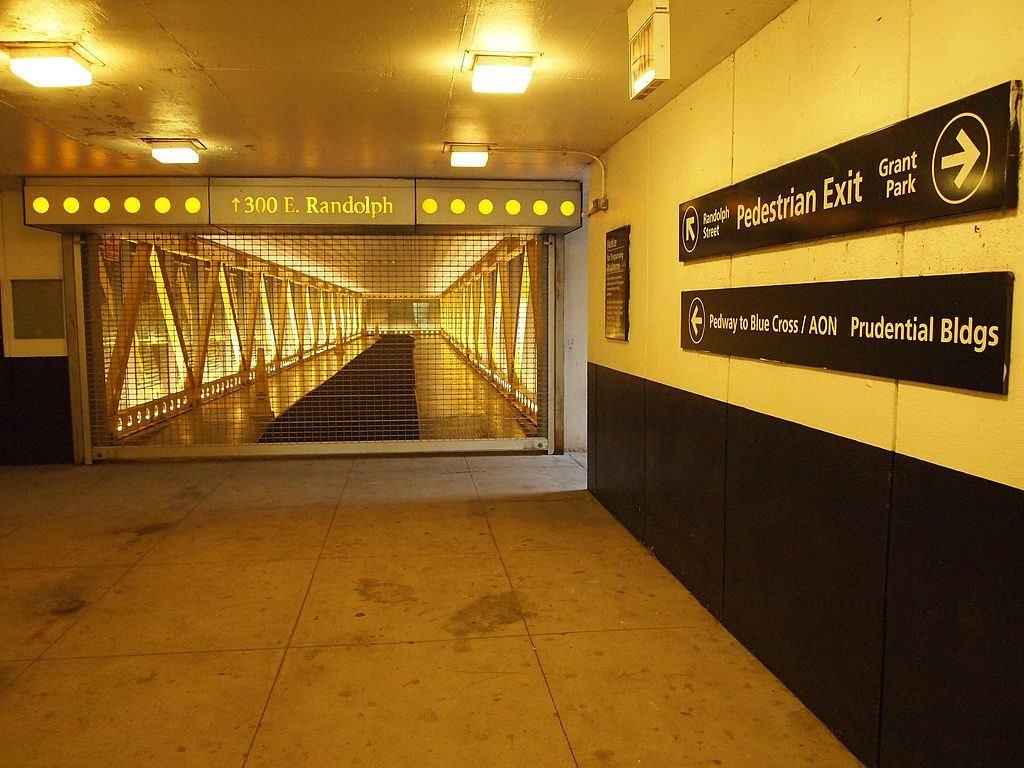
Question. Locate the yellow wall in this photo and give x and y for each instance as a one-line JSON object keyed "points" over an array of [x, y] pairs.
{"points": [[822, 72], [25, 254]]}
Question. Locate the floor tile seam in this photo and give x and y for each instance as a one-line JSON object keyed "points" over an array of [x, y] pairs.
{"points": [[298, 616], [77, 567], [599, 549], [229, 561], [657, 628], [416, 641], [9, 685], [91, 606], [152, 654], [187, 514], [13, 530], [533, 644]]}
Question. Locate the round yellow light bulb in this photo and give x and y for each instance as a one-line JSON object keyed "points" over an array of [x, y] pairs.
{"points": [[193, 205], [540, 208], [132, 205], [71, 204], [430, 205], [101, 205], [513, 207], [40, 205], [458, 206], [485, 206], [568, 208], [162, 205]]}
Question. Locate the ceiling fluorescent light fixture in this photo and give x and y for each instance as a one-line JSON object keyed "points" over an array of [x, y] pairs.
{"points": [[649, 46], [468, 155], [175, 151], [50, 65], [500, 73]]}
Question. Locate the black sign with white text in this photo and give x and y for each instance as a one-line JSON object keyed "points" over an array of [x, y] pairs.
{"points": [[616, 285], [959, 158], [950, 330]]}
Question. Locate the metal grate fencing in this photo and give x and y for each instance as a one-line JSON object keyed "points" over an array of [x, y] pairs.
{"points": [[257, 339]]}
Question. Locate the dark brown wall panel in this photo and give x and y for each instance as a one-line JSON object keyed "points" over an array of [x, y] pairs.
{"points": [[805, 540], [685, 488], [37, 410], [615, 444], [954, 660]]}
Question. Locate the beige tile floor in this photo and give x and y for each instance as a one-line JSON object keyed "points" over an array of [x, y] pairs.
{"points": [[482, 612]]}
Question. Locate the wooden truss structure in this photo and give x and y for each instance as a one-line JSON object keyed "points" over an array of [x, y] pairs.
{"points": [[184, 321], [494, 316]]}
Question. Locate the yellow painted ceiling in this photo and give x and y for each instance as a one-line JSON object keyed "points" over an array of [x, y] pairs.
{"points": [[293, 87]]}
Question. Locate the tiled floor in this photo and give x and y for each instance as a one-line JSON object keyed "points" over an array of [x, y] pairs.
{"points": [[387, 612]]}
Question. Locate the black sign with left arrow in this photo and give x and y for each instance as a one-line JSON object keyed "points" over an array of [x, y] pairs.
{"points": [[951, 330], [955, 159]]}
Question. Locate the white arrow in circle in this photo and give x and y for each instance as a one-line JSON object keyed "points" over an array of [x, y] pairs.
{"points": [[966, 159], [696, 321], [691, 233]]}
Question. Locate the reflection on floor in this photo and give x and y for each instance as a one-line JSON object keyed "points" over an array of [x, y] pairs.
{"points": [[372, 398], [437, 613], [240, 417], [453, 400], [457, 403]]}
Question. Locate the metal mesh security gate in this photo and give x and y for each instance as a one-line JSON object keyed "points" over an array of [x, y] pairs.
{"points": [[253, 343]]}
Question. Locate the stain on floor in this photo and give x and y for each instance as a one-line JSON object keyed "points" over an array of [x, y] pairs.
{"points": [[67, 606], [485, 615], [385, 592]]}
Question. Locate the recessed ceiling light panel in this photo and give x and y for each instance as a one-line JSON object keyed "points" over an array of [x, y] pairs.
{"points": [[175, 151], [468, 155], [44, 65], [501, 73]]}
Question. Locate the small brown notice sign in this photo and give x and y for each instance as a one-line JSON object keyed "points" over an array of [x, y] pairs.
{"points": [[616, 285]]}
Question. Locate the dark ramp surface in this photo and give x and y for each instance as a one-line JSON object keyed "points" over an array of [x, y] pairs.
{"points": [[371, 398]]}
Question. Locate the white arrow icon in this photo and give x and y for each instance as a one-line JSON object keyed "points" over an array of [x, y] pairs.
{"points": [[690, 232], [696, 320], [966, 159]]}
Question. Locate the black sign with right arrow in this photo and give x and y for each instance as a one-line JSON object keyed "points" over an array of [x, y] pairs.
{"points": [[959, 158]]}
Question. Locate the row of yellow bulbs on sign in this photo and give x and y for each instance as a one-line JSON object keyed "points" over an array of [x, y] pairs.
{"points": [[486, 207], [102, 205]]}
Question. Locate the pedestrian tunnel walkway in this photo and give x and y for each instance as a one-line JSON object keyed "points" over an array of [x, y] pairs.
{"points": [[220, 344]]}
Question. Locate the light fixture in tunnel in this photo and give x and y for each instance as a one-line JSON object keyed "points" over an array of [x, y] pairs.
{"points": [[468, 155], [500, 73], [175, 151], [649, 46], [50, 65]]}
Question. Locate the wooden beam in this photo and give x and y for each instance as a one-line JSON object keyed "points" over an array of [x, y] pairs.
{"points": [[252, 316], [134, 283], [511, 290], [210, 295], [533, 260], [490, 299], [174, 323]]}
